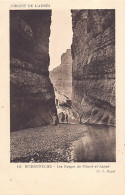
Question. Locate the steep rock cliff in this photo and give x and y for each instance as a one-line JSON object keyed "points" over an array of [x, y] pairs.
{"points": [[31, 92], [61, 76], [93, 53]]}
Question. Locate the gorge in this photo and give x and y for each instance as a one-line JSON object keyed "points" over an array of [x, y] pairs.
{"points": [[61, 76], [80, 91], [86, 74]]}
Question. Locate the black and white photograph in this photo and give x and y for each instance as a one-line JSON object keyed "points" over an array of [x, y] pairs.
{"points": [[62, 85]]}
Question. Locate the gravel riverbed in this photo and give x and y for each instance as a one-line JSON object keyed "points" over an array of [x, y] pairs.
{"points": [[45, 144]]}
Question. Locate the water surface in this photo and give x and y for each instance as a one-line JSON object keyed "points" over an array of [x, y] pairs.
{"points": [[97, 145]]}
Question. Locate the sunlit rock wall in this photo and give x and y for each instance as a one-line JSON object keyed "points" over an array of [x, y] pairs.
{"points": [[61, 76], [31, 92], [93, 53]]}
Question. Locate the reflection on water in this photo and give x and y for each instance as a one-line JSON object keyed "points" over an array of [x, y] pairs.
{"points": [[98, 145]]}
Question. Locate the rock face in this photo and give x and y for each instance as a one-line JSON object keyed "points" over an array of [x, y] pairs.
{"points": [[93, 54], [64, 104], [61, 76], [32, 99]]}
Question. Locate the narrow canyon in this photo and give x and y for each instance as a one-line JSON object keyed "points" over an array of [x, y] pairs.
{"points": [[66, 114], [86, 74]]}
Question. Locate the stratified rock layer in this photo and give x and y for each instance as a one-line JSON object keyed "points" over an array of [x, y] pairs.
{"points": [[93, 53], [31, 92], [61, 76]]}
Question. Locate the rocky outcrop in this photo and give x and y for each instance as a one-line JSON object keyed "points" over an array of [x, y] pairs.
{"points": [[61, 76], [64, 104], [93, 53], [32, 99]]}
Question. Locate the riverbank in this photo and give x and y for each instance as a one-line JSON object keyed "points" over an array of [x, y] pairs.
{"points": [[52, 143], [64, 143]]}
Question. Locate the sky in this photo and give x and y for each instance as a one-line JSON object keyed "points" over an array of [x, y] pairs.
{"points": [[60, 37]]}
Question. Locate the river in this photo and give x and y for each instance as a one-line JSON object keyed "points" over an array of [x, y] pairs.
{"points": [[97, 145]]}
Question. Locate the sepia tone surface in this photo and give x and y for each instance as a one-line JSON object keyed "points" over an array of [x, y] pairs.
{"points": [[46, 181], [93, 53], [84, 89], [61, 76], [31, 92]]}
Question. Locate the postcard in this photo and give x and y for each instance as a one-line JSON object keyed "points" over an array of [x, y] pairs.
{"points": [[62, 97]]}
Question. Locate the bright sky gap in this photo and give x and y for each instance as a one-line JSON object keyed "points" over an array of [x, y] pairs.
{"points": [[60, 37]]}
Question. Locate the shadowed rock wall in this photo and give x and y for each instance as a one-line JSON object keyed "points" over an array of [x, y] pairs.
{"points": [[31, 92], [93, 53], [61, 76]]}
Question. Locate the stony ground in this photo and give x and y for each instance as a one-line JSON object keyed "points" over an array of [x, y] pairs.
{"points": [[45, 144]]}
